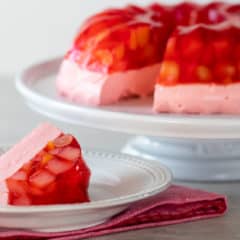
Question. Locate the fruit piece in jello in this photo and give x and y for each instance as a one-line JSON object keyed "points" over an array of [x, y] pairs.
{"points": [[46, 167]]}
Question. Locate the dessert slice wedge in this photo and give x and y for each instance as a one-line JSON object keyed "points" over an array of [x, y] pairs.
{"points": [[46, 167]]}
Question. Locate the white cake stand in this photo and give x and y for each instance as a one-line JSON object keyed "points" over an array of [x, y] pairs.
{"points": [[205, 148]]}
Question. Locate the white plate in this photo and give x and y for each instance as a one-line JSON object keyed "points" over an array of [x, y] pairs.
{"points": [[36, 84], [117, 181]]}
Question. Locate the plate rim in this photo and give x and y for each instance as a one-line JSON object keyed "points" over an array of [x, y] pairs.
{"points": [[156, 168]]}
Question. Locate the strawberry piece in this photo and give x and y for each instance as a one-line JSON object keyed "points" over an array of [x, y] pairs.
{"points": [[57, 174], [41, 179], [18, 187], [191, 45], [169, 73], [221, 47], [57, 166], [225, 72], [20, 176], [35, 191], [62, 141], [69, 153], [203, 74]]}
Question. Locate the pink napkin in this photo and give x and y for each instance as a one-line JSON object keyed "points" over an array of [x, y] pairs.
{"points": [[178, 204]]}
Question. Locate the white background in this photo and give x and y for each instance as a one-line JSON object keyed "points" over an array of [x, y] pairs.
{"points": [[32, 30]]}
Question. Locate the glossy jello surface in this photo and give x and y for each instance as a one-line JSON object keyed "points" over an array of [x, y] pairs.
{"points": [[57, 174], [134, 37], [122, 39], [202, 54]]}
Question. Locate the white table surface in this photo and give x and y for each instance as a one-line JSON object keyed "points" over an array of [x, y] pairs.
{"points": [[16, 120]]}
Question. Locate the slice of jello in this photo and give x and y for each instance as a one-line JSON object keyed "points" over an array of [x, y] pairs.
{"points": [[46, 167], [115, 55], [200, 72]]}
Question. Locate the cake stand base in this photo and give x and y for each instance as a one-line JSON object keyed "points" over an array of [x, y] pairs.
{"points": [[192, 159]]}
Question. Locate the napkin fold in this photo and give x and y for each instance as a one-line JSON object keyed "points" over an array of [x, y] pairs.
{"points": [[177, 204]]}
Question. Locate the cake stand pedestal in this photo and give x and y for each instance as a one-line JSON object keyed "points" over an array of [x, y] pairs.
{"points": [[191, 159], [195, 147]]}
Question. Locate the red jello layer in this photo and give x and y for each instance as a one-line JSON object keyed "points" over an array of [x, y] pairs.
{"points": [[57, 174], [122, 39], [117, 40], [202, 54]]}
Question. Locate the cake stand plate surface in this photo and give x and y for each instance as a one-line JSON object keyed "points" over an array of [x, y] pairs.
{"points": [[195, 147]]}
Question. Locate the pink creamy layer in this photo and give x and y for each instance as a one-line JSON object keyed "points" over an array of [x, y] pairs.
{"points": [[3, 193], [198, 98], [22, 152], [91, 88]]}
